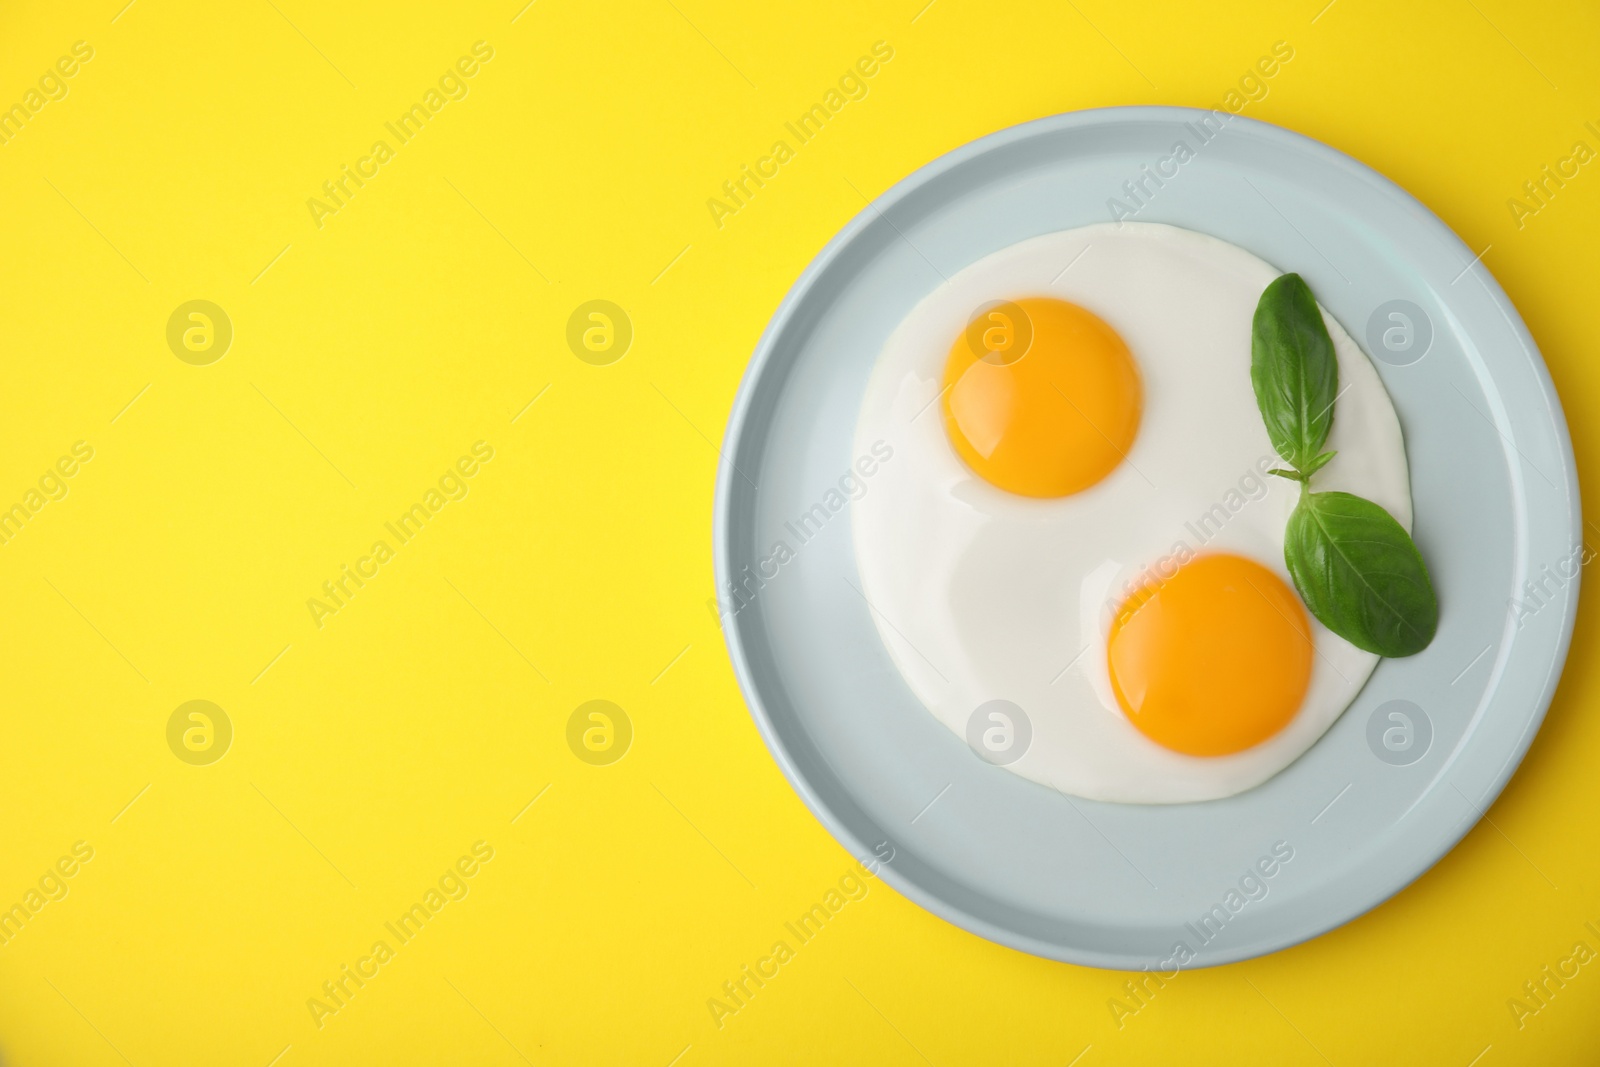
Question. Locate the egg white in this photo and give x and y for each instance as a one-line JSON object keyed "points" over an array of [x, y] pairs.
{"points": [[979, 594]]}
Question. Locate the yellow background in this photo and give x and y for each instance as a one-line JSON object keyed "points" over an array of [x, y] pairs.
{"points": [[370, 753]]}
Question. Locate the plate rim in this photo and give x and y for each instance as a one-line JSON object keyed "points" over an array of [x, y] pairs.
{"points": [[739, 426]]}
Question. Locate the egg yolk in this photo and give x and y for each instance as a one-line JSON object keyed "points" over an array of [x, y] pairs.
{"points": [[1212, 660], [1041, 397]]}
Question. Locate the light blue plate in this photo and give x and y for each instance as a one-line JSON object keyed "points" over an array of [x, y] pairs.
{"points": [[1407, 769]]}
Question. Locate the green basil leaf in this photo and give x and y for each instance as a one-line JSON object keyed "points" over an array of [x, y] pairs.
{"points": [[1293, 369], [1360, 574]]}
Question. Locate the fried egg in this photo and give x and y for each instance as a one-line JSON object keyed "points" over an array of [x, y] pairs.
{"points": [[1076, 561]]}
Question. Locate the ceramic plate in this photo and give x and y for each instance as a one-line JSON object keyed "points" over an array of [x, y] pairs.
{"points": [[1412, 763]]}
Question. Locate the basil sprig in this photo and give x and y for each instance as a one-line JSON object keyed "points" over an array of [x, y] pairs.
{"points": [[1355, 567]]}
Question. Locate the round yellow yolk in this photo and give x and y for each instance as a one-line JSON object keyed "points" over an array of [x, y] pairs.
{"points": [[1212, 660], [1041, 397]]}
